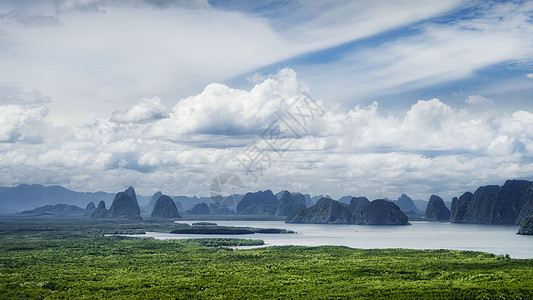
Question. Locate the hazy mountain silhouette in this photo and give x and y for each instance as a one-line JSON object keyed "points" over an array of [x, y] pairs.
{"points": [[25, 197]]}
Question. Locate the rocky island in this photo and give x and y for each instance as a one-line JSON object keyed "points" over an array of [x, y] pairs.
{"points": [[258, 203], [492, 204], [288, 202], [382, 212], [124, 206], [437, 210], [357, 204], [325, 211], [526, 227], [165, 207]]}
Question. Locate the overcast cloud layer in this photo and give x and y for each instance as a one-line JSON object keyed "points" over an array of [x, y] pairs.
{"points": [[101, 95]]}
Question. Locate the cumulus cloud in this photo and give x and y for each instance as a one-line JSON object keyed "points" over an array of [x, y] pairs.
{"points": [[14, 117], [430, 148], [221, 110], [148, 110], [429, 125], [530, 75]]}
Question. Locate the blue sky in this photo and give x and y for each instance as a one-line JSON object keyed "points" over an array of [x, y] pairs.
{"points": [[453, 91], [418, 97]]}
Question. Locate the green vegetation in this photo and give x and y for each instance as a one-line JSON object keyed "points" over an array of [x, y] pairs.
{"points": [[204, 224], [223, 242], [71, 259]]}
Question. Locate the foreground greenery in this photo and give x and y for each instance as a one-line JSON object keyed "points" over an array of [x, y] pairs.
{"points": [[223, 242], [72, 259]]}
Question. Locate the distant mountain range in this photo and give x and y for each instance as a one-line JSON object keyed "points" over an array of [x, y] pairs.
{"points": [[492, 204], [56, 210], [30, 196], [26, 197]]}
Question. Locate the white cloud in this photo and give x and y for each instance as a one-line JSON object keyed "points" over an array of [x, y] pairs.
{"points": [[255, 78], [14, 117], [431, 148], [110, 59], [112, 53], [479, 100], [92, 60], [99, 5], [317, 25], [148, 110], [13, 95], [530, 75], [226, 111], [437, 53]]}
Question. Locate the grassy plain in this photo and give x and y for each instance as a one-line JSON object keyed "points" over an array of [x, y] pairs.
{"points": [[71, 259]]}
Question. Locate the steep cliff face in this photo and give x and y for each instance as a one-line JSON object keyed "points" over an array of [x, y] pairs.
{"points": [[357, 204], [150, 206], [406, 204], [382, 212], [492, 204], [289, 202], [527, 209], [200, 209], [514, 197], [258, 203], [325, 211], [125, 206], [165, 207], [89, 209], [259, 210], [437, 210], [460, 206], [526, 226], [100, 212]]}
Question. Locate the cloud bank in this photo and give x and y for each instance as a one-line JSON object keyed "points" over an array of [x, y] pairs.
{"points": [[430, 148]]}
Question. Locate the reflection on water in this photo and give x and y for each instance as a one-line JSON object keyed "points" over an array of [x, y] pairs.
{"points": [[497, 239]]}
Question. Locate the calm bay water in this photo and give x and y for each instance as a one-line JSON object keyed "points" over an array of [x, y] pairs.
{"points": [[497, 239]]}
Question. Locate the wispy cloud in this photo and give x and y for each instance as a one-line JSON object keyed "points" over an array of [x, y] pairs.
{"points": [[114, 52], [438, 53], [479, 100]]}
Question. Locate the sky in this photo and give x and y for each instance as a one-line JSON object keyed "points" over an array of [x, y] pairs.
{"points": [[361, 98]]}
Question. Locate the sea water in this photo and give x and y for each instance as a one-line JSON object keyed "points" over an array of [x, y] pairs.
{"points": [[496, 239]]}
